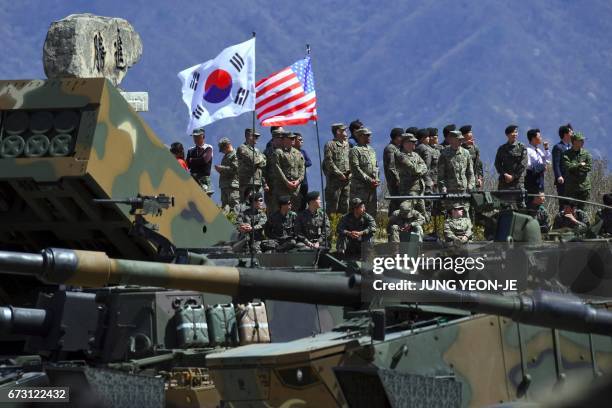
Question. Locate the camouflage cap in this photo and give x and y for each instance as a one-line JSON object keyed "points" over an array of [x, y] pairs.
{"points": [[577, 136], [249, 131], [277, 134], [290, 135], [405, 207], [339, 125], [356, 202], [197, 132], [457, 206], [409, 137], [363, 131], [456, 133], [223, 142]]}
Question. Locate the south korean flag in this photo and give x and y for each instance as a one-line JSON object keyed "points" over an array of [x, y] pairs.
{"points": [[222, 87]]}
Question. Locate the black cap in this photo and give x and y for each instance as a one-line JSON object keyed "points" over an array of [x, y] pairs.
{"points": [[422, 133], [448, 128], [396, 132], [412, 129], [282, 200], [465, 129], [255, 197], [354, 125], [312, 195], [433, 132], [356, 202]]}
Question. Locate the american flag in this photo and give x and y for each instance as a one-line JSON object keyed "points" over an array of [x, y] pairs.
{"points": [[287, 97]]}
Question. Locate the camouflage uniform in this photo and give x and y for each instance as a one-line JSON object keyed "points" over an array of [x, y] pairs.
{"points": [[540, 213], [426, 153], [474, 152], [336, 164], [455, 170], [280, 230], [391, 174], [250, 171], [228, 181], [364, 170], [561, 221], [455, 228], [412, 170], [257, 219], [311, 228], [405, 218], [577, 180], [287, 165], [267, 172], [348, 222], [511, 159]]}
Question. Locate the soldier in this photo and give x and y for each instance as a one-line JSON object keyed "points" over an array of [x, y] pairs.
{"points": [[287, 171], [565, 134], [605, 215], [474, 151], [364, 171], [412, 170], [337, 171], [392, 150], [312, 225], [252, 164], [250, 224], [298, 143], [228, 175], [426, 152], [457, 227], [280, 227], [577, 164], [572, 217], [436, 149], [355, 228], [537, 210], [446, 132], [273, 144], [199, 159], [405, 220], [455, 168], [511, 161]]}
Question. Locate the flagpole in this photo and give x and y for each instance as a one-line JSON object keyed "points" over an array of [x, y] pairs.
{"points": [[253, 189], [320, 169]]}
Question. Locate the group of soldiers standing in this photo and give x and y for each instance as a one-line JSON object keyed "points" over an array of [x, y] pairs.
{"points": [[414, 164]]}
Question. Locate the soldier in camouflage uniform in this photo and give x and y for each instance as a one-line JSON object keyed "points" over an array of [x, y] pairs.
{"points": [[435, 156], [511, 161], [355, 228], [455, 169], [457, 227], [250, 224], [364, 171], [405, 220], [287, 172], [426, 152], [337, 171], [280, 227], [470, 146], [274, 143], [412, 170], [392, 150], [577, 164], [572, 217], [228, 176], [251, 164], [537, 210], [312, 226]]}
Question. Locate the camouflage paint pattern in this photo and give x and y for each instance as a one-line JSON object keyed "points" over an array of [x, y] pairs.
{"points": [[114, 154]]}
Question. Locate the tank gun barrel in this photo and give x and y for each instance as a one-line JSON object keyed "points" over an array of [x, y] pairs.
{"points": [[21, 320], [96, 269], [547, 309]]}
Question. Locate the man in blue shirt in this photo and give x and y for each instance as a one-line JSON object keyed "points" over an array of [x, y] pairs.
{"points": [[298, 142], [565, 134]]}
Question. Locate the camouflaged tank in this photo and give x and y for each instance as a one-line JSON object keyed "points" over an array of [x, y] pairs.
{"points": [[463, 349]]}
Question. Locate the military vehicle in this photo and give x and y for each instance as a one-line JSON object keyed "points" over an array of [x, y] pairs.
{"points": [[436, 354]]}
